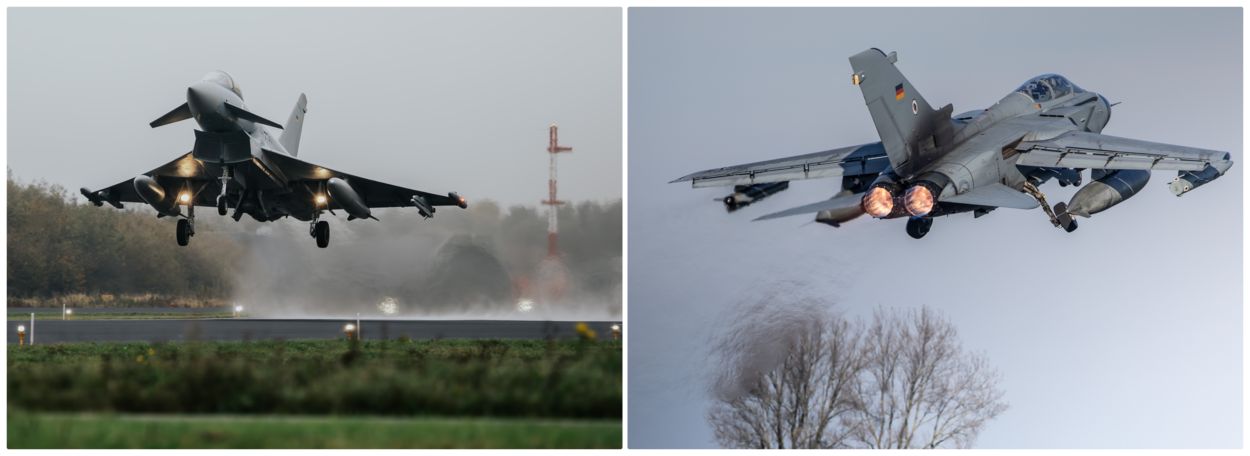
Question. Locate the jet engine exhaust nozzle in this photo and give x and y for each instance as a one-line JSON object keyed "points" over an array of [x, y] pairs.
{"points": [[918, 200], [878, 202]]}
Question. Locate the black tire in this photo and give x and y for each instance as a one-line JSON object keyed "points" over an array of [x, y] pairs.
{"points": [[1071, 226], [323, 234], [184, 232], [918, 227], [221, 205]]}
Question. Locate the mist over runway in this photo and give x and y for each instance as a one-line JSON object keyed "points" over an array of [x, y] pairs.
{"points": [[244, 329], [109, 310]]}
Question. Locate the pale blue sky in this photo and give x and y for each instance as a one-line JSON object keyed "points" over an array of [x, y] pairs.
{"points": [[1124, 334]]}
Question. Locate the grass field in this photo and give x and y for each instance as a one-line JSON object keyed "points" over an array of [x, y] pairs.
{"points": [[409, 378], [120, 316], [45, 431]]}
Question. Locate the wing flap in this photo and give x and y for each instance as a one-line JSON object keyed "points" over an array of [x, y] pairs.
{"points": [[854, 160], [1091, 150], [995, 195]]}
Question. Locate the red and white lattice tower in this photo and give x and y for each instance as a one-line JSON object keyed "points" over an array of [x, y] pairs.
{"points": [[554, 148]]}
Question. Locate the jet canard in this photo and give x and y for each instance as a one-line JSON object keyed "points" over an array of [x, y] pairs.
{"points": [[236, 164], [930, 163]]}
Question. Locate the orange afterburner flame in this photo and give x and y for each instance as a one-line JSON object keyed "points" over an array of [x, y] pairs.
{"points": [[878, 202], [918, 200]]}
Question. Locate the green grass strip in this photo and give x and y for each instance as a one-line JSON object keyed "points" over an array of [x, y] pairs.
{"points": [[115, 431], [402, 378]]}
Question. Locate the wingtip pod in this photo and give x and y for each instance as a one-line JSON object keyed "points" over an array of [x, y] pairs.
{"points": [[464, 204], [1186, 181], [92, 197]]}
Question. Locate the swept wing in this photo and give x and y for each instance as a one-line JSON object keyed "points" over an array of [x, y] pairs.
{"points": [[181, 169], [848, 161], [1091, 150], [374, 193]]}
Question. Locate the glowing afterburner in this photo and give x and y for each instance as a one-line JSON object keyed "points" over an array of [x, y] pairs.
{"points": [[878, 202], [918, 200]]}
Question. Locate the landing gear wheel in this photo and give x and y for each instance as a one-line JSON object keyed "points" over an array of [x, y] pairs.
{"points": [[184, 232], [221, 205], [918, 227], [322, 232], [1071, 226]]}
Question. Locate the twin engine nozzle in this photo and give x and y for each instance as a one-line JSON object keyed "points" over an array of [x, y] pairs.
{"points": [[889, 200]]}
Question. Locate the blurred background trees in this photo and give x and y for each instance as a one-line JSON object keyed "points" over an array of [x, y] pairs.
{"points": [[57, 245], [799, 376], [63, 249]]}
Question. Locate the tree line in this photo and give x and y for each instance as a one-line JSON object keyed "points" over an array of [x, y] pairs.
{"points": [[60, 244]]}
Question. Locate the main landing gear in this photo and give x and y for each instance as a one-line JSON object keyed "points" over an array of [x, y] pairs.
{"points": [[320, 230], [917, 227], [186, 226]]}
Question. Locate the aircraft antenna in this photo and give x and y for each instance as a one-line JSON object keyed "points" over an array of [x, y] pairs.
{"points": [[553, 249]]}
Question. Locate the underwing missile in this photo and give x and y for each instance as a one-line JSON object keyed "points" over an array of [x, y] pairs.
{"points": [[744, 195]]}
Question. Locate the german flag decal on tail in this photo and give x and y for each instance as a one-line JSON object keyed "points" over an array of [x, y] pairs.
{"points": [[898, 92]]}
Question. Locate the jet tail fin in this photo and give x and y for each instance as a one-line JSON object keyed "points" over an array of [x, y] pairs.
{"points": [[904, 120], [177, 115], [294, 124]]}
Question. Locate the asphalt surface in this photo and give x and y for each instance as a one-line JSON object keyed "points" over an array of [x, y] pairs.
{"points": [[28, 310], [232, 329]]}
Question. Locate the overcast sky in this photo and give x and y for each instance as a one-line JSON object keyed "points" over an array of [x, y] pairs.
{"points": [[1124, 334], [433, 99]]}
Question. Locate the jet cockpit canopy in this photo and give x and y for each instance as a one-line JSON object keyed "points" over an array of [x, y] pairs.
{"points": [[1047, 87], [223, 79]]}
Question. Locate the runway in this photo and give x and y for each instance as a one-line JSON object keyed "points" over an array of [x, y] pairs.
{"points": [[231, 329]]}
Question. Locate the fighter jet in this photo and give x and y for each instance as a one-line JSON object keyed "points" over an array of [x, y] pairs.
{"points": [[931, 164], [236, 164]]}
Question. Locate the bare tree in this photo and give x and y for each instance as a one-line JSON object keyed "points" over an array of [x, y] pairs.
{"points": [[798, 376], [920, 389], [786, 378]]}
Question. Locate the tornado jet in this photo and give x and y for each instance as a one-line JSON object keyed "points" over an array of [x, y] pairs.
{"points": [[930, 163], [236, 165]]}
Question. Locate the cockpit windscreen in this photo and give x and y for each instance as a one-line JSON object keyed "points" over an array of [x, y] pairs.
{"points": [[223, 79], [1048, 87]]}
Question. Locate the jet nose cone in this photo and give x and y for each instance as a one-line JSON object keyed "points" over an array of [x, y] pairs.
{"points": [[202, 98]]}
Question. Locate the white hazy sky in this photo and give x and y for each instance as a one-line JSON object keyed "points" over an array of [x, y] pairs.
{"points": [[426, 98], [1124, 334]]}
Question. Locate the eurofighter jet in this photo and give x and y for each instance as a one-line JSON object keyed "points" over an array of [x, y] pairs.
{"points": [[236, 164], [930, 164]]}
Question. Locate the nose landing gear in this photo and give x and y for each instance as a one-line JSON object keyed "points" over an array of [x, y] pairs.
{"points": [[221, 199]]}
